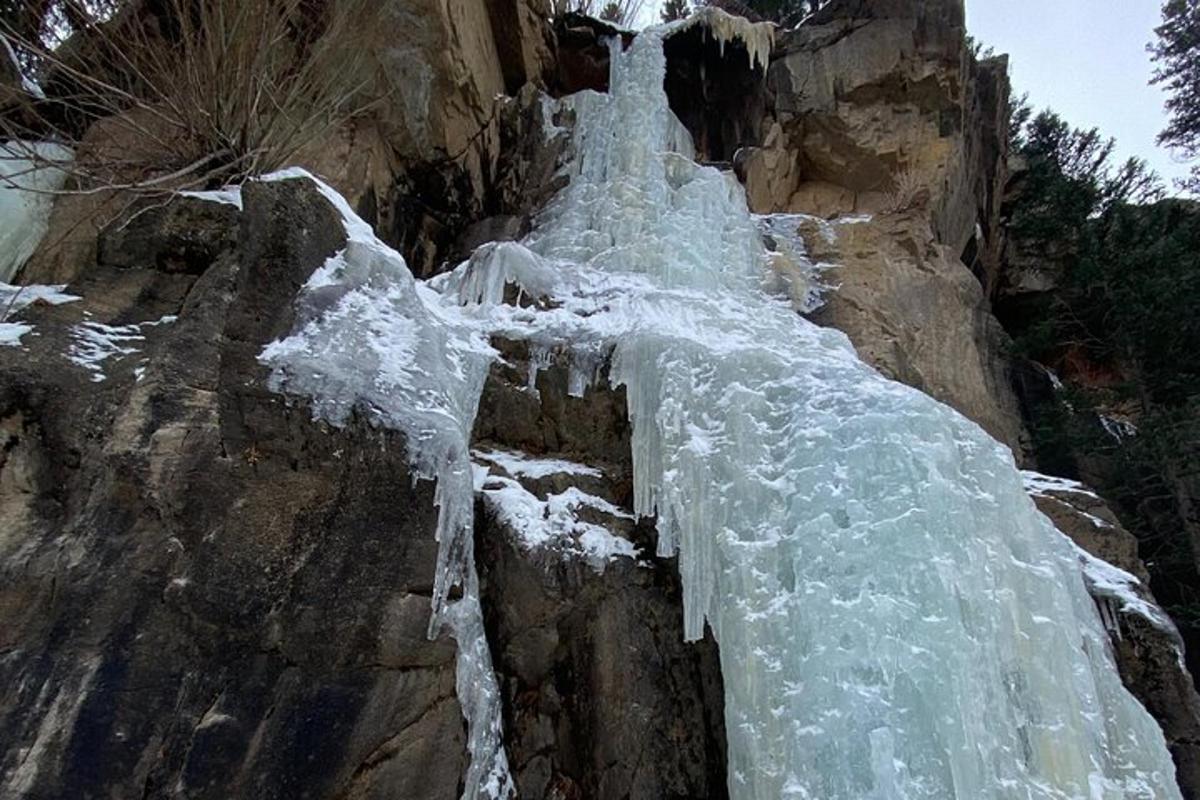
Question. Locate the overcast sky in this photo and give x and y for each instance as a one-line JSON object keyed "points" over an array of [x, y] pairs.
{"points": [[1086, 59]]}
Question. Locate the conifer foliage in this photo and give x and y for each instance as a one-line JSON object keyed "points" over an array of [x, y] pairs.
{"points": [[1177, 54]]}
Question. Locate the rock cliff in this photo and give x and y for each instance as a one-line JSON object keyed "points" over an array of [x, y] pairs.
{"points": [[206, 594]]}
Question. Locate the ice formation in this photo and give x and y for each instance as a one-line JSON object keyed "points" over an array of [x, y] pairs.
{"points": [[896, 621], [757, 37], [1114, 589], [25, 198]]}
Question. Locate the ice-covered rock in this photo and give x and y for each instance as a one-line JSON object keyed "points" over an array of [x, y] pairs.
{"points": [[370, 339]]}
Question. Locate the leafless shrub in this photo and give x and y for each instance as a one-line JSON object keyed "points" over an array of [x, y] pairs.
{"points": [[909, 192], [191, 92]]}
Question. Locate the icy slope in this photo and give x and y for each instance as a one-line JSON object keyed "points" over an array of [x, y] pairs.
{"points": [[895, 618]]}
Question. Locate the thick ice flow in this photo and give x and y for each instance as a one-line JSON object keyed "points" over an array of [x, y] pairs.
{"points": [[896, 620]]}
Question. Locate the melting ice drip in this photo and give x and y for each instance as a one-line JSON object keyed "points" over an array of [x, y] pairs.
{"points": [[896, 620]]}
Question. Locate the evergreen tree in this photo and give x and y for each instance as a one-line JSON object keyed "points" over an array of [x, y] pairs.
{"points": [[1121, 318], [612, 13], [675, 9], [1177, 53]]}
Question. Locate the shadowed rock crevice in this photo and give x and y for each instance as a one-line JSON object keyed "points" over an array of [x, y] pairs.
{"points": [[715, 92]]}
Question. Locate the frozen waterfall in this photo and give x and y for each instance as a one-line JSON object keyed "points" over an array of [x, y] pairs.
{"points": [[896, 621]]}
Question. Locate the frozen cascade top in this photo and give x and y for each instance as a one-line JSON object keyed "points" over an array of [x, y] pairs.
{"points": [[896, 620]]}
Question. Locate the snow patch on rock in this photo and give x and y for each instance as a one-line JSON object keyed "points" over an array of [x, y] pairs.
{"points": [[93, 343], [554, 523], [522, 465]]}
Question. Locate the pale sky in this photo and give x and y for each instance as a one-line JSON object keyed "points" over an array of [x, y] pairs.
{"points": [[1086, 59]]}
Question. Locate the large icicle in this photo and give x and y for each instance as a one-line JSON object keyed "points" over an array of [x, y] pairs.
{"points": [[370, 339], [895, 618]]}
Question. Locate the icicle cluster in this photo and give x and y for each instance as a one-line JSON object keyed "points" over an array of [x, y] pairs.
{"points": [[757, 37]]}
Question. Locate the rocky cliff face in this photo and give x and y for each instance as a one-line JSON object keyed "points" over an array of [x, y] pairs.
{"points": [[880, 110], [204, 593]]}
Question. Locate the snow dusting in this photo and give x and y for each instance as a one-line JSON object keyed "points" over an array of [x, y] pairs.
{"points": [[520, 465], [94, 343]]}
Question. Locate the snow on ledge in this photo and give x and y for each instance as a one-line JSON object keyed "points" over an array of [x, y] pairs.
{"points": [[522, 465], [14, 298], [1112, 586], [1043, 485], [553, 523], [230, 195], [1039, 485]]}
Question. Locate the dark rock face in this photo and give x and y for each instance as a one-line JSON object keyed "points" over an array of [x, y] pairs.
{"points": [[441, 212], [716, 93], [204, 593]]}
